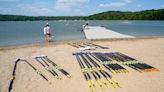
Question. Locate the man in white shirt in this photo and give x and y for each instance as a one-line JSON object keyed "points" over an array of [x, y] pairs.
{"points": [[47, 32]]}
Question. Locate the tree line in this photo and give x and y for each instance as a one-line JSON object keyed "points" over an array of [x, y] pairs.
{"points": [[140, 15], [109, 15]]}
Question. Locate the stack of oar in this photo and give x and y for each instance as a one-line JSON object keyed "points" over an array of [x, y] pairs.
{"points": [[50, 66], [95, 45], [86, 44], [131, 62], [110, 64], [90, 67], [14, 74]]}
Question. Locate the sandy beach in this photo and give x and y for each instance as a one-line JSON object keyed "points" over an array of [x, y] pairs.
{"points": [[147, 50]]}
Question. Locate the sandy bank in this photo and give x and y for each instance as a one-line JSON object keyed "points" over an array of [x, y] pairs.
{"points": [[150, 51]]}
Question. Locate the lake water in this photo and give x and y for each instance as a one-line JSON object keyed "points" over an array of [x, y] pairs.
{"points": [[24, 32]]}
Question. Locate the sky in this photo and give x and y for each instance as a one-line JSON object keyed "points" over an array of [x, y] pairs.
{"points": [[74, 7]]}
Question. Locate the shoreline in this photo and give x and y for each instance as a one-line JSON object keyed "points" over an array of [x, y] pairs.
{"points": [[39, 44]]}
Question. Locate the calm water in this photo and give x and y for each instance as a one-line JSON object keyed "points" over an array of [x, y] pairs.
{"points": [[14, 33]]}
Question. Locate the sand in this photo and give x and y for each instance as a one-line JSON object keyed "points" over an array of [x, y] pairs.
{"points": [[150, 51]]}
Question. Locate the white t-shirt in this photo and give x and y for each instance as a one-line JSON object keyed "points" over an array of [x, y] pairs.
{"points": [[47, 30]]}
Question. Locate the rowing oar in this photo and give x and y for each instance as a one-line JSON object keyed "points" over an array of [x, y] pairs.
{"points": [[46, 66], [45, 58], [87, 77], [94, 73], [14, 70], [133, 62], [102, 71], [13, 75], [102, 47]]}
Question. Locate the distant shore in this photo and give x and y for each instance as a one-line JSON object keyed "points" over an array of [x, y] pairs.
{"points": [[153, 14]]}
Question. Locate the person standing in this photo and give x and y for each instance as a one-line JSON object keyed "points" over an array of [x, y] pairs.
{"points": [[85, 25], [47, 32]]}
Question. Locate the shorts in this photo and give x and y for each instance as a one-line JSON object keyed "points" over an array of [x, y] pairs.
{"points": [[48, 34]]}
